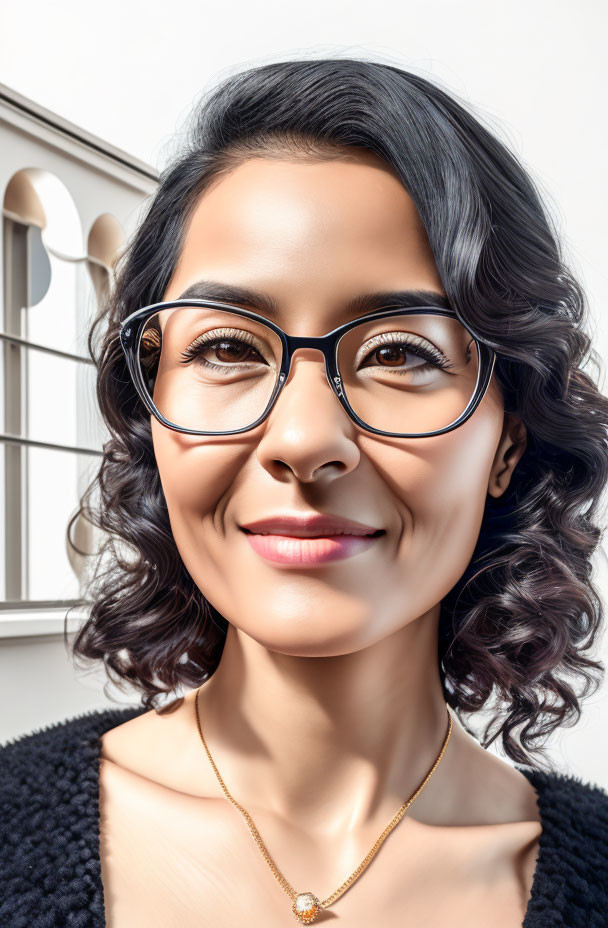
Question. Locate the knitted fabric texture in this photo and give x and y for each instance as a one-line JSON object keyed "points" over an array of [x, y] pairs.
{"points": [[50, 868]]}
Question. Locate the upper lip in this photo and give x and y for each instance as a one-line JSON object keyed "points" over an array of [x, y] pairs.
{"points": [[308, 525]]}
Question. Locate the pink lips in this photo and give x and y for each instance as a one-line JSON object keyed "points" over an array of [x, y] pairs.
{"points": [[310, 538]]}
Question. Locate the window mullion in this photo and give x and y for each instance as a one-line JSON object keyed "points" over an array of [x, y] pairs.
{"points": [[15, 243]]}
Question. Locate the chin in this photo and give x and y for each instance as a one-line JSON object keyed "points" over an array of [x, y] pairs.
{"points": [[313, 632]]}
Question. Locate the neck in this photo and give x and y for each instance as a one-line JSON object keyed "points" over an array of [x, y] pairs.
{"points": [[296, 735]]}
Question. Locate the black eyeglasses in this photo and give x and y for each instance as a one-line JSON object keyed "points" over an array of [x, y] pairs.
{"points": [[209, 368]]}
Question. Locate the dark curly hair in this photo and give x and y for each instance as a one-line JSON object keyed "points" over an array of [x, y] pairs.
{"points": [[525, 611]]}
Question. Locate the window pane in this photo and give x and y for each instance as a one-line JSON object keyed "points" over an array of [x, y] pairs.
{"points": [[61, 318], [55, 480], [61, 400]]}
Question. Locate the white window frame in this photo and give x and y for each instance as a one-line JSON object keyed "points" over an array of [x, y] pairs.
{"points": [[100, 178]]}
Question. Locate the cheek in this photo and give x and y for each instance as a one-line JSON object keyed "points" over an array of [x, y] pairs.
{"points": [[196, 477], [440, 485]]}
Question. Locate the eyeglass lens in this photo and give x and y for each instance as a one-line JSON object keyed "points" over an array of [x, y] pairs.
{"points": [[206, 369]]}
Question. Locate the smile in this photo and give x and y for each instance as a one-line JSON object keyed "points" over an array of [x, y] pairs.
{"points": [[299, 551]]}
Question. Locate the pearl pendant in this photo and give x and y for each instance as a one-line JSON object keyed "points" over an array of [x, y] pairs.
{"points": [[306, 907]]}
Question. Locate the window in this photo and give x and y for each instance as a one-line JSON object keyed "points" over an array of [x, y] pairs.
{"points": [[64, 224]]}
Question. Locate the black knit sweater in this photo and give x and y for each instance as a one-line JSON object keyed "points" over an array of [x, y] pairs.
{"points": [[50, 869]]}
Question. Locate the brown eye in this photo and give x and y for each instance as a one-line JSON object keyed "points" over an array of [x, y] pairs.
{"points": [[391, 355], [398, 354], [221, 351], [231, 350]]}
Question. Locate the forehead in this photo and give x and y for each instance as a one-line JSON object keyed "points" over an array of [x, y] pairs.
{"points": [[266, 203], [307, 226]]}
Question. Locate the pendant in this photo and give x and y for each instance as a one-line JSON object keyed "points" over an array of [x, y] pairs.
{"points": [[306, 907]]}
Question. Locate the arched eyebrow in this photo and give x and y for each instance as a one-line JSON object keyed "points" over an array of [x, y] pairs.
{"points": [[360, 305]]}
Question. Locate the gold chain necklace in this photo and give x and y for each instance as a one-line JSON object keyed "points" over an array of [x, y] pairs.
{"points": [[306, 906]]}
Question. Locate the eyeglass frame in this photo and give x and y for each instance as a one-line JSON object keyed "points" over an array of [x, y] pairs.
{"points": [[131, 330]]}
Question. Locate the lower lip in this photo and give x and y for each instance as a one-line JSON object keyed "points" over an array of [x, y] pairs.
{"points": [[286, 549]]}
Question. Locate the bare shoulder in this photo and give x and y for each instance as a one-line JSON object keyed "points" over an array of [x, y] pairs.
{"points": [[124, 739], [483, 813], [487, 790], [163, 747]]}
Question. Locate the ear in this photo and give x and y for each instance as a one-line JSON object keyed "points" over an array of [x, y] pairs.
{"points": [[511, 446]]}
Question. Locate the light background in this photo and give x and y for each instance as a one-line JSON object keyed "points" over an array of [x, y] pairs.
{"points": [[535, 72]]}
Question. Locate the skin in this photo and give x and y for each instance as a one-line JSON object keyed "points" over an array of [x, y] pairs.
{"points": [[326, 709]]}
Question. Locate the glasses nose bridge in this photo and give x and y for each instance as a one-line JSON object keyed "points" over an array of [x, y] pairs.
{"points": [[308, 341], [324, 344]]}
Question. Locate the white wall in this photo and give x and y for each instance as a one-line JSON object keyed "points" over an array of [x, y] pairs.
{"points": [[130, 73]]}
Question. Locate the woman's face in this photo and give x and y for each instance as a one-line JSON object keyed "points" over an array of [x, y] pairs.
{"points": [[314, 236]]}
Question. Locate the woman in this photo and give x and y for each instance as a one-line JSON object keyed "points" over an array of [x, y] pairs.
{"points": [[337, 548]]}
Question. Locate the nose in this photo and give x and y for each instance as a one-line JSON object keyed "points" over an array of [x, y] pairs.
{"points": [[308, 432]]}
